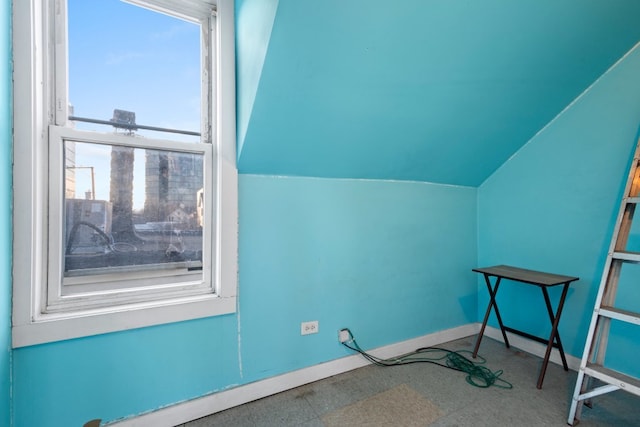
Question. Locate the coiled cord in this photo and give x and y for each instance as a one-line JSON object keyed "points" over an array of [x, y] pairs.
{"points": [[477, 375]]}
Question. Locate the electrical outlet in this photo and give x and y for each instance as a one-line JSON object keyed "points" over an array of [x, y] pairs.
{"points": [[307, 328], [344, 335]]}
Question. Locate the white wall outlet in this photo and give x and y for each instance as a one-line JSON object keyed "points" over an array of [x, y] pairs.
{"points": [[344, 335], [307, 328]]}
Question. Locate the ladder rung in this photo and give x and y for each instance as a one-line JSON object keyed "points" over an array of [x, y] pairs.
{"points": [[619, 314], [609, 376], [598, 391], [632, 199], [626, 256]]}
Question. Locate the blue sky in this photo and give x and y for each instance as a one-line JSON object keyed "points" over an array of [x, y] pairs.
{"points": [[127, 57], [122, 56]]}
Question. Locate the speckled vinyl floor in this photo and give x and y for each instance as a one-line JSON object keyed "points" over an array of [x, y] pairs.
{"points": [[424, 394]]}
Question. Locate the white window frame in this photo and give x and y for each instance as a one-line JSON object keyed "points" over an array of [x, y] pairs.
{"points": [[37, 106]]}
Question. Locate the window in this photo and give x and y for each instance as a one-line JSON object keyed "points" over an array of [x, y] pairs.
{"points": [[125, 186]]}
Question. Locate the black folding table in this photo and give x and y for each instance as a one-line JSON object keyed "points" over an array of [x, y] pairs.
{"points": [[531, 277]]}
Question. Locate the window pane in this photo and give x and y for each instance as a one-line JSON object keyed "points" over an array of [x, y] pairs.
{"points": [[124, 57], [130, 209]]}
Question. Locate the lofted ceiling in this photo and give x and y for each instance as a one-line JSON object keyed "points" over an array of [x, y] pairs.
{"points": [[440, 91]]}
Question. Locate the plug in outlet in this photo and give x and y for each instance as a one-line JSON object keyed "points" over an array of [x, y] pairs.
{"points": [[307, 328], [344, 335]]}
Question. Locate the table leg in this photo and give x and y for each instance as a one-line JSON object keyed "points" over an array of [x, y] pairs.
{"points": [[554, 333], [552, 317], [492, 303]]}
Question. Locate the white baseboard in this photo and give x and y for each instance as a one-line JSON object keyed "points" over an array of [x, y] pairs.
{"points": [[183, 412]]}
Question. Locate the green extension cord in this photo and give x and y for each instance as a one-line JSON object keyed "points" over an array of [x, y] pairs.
{"points": [[478, 376]]}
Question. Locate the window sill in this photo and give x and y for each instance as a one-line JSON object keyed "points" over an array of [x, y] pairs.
{"points": [[50, 328]]}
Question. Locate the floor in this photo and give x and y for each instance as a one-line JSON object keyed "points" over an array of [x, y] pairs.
{"points": [[444, 392]]}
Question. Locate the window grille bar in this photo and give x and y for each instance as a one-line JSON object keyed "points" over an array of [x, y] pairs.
{"points": [[132, 126]]}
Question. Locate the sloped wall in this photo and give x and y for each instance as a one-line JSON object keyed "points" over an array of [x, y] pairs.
{"points": [[253, 31], [552, 207], [424, 90]]}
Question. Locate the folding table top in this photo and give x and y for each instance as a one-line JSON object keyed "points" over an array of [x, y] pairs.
{"points": [[533, 277]]}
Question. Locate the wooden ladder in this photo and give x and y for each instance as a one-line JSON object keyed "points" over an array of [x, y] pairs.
{"points": [[592, 365]]}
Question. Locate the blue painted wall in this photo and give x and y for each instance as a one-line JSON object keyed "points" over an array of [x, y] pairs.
{"points": [[369, 255], [422, 89], [5, 214], [253, 32], [553, 205], [111, 376]]}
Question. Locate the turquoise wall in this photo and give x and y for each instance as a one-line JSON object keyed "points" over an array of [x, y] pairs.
{"points": [[390, 260], [253, 32], [114, 375], [424, 90], [5, 215], [368, 255], [553, 205]]}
